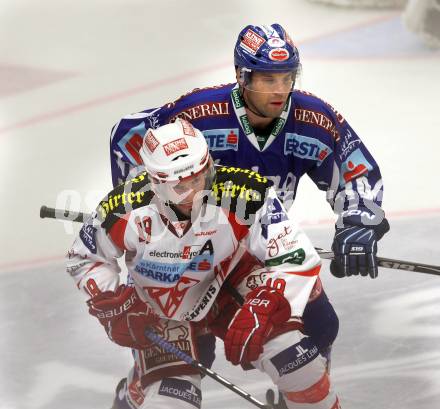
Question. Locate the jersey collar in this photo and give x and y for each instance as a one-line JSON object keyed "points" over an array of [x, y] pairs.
{"points": [[240, 112]]}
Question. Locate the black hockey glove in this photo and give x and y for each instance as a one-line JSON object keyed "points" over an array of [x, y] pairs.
{"points": [[355, 249]]}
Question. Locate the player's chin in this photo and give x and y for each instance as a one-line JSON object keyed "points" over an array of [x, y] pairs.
{"points": [[274, 110], [185, 208]]}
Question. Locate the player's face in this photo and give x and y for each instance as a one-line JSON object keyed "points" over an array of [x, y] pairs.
{"points": [[267, 93], [189, 187]]}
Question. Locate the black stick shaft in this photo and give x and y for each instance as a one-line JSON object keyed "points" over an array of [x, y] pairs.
{"points": [[196, 364], [62, 214], [392, 263]]}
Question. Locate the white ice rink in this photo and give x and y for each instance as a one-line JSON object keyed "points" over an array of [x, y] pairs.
{"points": [[70, 69]]}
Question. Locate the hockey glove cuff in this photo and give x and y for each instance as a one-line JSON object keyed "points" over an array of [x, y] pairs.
{"points": [[124, 316], [355, 247], [253, 323]]}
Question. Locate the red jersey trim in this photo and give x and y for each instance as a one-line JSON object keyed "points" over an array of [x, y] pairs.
{"points": [[239, 229], [117, 232]]}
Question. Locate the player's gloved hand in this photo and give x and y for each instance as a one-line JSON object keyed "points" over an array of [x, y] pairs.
{"points": [[124, 316], [253, 323], [355, 249]]}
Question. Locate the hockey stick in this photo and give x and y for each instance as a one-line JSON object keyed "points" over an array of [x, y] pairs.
{"points": [[392, 263], [61, 214], [203, 369]]}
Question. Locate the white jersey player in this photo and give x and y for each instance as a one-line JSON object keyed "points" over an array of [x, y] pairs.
{"points": [[182, 226]]}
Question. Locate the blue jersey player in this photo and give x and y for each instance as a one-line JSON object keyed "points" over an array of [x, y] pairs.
{"points": [[263, 123]]}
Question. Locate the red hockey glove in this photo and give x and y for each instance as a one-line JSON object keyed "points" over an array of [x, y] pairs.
{"points": [[252, 324], [124, 316]]}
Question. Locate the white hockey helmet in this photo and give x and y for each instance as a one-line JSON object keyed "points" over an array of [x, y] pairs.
{"points": [[173, 154]]}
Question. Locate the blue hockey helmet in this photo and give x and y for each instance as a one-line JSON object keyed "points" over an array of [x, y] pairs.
{"points": [[266, 48]]}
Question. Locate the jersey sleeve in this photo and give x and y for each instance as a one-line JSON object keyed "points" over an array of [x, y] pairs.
{"points": [[106, 236], [292, 265], [92, 259], [349, 174]]}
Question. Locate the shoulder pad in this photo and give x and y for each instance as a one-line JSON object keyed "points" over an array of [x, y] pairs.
{"points": [[198, 93], [124, 198], [202, 103], [241, 191], [308, 100]]}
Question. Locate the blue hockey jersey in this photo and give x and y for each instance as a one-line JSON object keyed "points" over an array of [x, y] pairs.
{"points": [[310, 137]]}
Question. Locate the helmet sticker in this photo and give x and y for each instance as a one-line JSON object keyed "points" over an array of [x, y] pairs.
{"points": [[188, 129], [269, 31], [251, 41], [279, 54], [175, 146], [151, 142], [276, 42]]}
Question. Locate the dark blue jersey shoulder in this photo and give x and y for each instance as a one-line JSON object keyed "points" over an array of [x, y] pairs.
{"points": [[124, 198], [240, 191], [201, 104], [198, 95], [310, 110]]}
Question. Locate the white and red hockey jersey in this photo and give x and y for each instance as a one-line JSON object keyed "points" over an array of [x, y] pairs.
{"points": [[178, 265]]}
